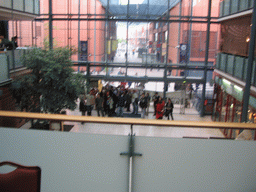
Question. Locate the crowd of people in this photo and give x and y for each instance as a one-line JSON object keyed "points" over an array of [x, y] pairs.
{"points": [[112, 102]]}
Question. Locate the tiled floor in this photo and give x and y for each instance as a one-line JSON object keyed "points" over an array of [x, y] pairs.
{"points": [[152, 131]]}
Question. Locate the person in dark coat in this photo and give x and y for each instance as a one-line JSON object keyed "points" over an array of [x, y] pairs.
{"points": [[169, 109], [128, 99], [143, 104], [82, 106], [99, 104], [148, 103], [155, 99], [120, 104], [109, 105]]}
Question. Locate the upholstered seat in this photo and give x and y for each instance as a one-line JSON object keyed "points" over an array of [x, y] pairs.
{"points": [[22, 179]]}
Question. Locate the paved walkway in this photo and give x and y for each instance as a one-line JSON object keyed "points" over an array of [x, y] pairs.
{"points": [[153, 131]]}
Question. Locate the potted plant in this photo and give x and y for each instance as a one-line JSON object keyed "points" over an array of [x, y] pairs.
{"points": [[51, 86]]}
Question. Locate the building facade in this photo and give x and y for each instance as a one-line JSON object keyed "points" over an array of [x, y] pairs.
{"points": [[232, 64], [186, 41]]}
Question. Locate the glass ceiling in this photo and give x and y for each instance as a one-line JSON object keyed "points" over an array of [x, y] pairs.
{"points": [[148, 9]]}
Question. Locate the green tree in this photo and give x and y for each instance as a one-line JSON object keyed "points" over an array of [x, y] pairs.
{"points": [[51, 85]]}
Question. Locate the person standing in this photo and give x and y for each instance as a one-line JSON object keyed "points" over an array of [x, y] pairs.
{"points": [[109, 105], [90, 102], [82, 106], [120, 104], [155, 99], [128, 99], [143, 104], [99, 104], [160, 108], [135, 100], [169, 109], [148, 103]]}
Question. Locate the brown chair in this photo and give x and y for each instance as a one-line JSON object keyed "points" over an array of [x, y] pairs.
{"points": [[22, 179]]}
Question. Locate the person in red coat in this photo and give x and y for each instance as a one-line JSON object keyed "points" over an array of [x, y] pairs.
{"points": [[160, 108]]}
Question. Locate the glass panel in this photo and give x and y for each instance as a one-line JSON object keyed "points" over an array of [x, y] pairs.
{"points": [[226, 7], [3, 68], [174, 44], [137, 49], [239, 62], [223, 62], [73, 43], [252, 102], [60, 33], [152, 7], [135, 73], [10, 58], [18, 5], [160, 157], [243, 5], [230, 64], [221, 8], [93, 149], [25, 33], [200, 8], [74, 6], [7, 4], [154, 87], [44, 7], [253, 73], [251, 3], [245, 69], [218, 61], [234, 6], [29, 6], [60, 8], [18, 53], [195, 74], [238, 93], [37, 11], [39, 31]]}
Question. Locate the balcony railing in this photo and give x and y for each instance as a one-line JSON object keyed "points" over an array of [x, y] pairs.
{"points": [[27, 6], [236, 66], [10, 60], [4, 68], [101, 162], [229, 7], [15, 57]]}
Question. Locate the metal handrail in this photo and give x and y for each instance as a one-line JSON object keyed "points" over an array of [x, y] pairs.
{"points": [[128, 121]]}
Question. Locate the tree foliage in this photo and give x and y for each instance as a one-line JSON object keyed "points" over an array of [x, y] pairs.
{"points": [[52, 85]]}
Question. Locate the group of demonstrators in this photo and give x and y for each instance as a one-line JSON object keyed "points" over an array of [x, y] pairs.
{"points": [[113, 101]]}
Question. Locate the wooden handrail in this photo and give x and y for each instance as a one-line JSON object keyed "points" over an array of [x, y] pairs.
{"points": [[128, 121]]}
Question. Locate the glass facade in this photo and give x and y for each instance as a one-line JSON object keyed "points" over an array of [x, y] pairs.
{"points": [[146, 41]]}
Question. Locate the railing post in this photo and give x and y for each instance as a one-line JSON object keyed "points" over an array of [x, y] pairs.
{"points": [[131, 153], [62, 126]]}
